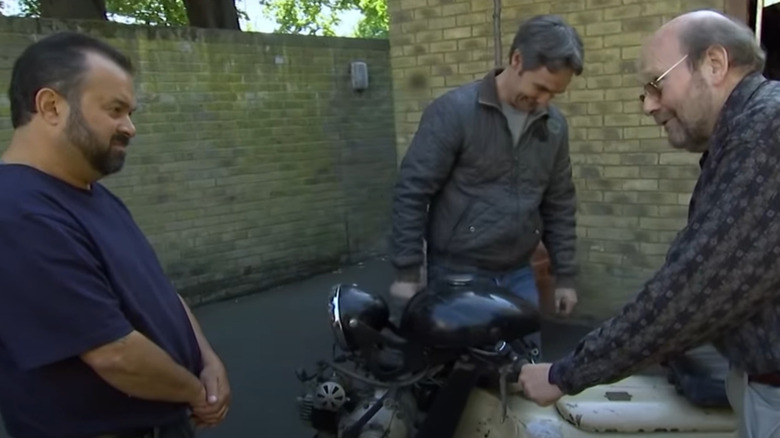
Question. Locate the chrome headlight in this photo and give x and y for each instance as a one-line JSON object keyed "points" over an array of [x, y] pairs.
{"points": [[336, 323], [348, 305]]}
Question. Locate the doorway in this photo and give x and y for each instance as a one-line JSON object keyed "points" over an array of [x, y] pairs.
{"points": [[770, 36]]}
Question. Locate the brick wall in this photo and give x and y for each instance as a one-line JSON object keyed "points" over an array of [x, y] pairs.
{"points": [[255, 162], [633, 188]]}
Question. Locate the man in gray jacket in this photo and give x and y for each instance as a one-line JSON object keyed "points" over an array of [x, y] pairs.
{"points": [[488, 175]]}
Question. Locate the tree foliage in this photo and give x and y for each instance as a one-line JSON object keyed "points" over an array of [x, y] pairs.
{"points": [[150, 12], [375, 22], [308, 17], [199, 13], [320, 17]]}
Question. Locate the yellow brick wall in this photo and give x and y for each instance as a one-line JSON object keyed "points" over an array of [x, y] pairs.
{"points": [[633, 188]]}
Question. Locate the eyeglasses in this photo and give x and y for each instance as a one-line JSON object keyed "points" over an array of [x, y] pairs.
{"points": [[653, 88]]}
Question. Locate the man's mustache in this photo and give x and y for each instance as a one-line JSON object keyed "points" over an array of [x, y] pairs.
{"points": [[122, 139]]}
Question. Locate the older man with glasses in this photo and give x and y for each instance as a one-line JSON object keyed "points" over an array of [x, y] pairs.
{"points": [[720, 282]]}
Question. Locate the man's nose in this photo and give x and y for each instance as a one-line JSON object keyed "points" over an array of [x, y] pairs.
{"points": [[650, 104], [128, 128]]}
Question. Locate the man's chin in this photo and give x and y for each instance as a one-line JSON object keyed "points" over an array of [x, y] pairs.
{"points": [[677, 144], [112, 165], [116, 166], [684, 139], [687, 145]]}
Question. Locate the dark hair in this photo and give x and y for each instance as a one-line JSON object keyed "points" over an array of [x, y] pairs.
{"points": [[57, 61], [547, 41], [699, 34]]}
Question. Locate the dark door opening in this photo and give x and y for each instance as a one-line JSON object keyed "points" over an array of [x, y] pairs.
{"points": [[770, 36]]}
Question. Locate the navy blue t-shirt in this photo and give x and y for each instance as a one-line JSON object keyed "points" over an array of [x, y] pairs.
{"points": [[76, 272]]}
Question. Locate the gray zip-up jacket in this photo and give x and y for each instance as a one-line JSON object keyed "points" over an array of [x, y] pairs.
{"points": [[478, 200]]}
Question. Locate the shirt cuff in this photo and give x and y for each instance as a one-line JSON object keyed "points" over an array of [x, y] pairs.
{"points": [[558, 376]]}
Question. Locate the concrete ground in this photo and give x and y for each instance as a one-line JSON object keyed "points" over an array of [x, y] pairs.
{"points": [[263, 338]]}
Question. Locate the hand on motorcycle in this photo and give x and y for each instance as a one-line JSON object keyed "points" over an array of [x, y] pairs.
{"points": [[404, 288], [565, 300], [536, 386]]}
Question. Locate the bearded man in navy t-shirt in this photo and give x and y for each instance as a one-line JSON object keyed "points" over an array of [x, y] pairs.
{"points": [[94, 340]]}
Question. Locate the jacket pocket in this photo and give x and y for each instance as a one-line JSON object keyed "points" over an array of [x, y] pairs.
{"points": [[481, 225]]}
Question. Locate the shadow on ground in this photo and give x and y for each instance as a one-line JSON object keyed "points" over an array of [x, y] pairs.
{"points": [[264, 337]]}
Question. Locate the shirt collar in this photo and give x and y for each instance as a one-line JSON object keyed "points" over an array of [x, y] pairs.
{"points": [[735, 103]]}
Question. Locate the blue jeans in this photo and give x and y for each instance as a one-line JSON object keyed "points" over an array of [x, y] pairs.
{"points": [[520, 282]]}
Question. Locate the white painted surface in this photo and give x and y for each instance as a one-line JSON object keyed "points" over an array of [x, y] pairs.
{"points": [[641, 404], [654, 405]]}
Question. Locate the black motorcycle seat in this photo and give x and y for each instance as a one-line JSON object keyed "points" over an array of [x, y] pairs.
{"points": [[700, 376]]}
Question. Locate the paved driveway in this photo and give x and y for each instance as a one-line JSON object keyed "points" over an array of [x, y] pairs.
{"points": [[264, 337]]}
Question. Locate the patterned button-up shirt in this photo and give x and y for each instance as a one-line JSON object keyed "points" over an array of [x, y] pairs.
{"points": [[720, 282]]}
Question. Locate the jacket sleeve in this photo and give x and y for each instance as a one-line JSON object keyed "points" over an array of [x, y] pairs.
{"points": [[558, 215], [721, 271], [422, 172]]}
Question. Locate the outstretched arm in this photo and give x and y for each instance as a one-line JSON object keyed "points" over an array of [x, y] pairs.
{"points": [[723, 268]]}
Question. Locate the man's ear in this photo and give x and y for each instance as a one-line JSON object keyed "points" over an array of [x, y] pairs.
{"points": [[50, 106], [715, 65], [516, 62]]}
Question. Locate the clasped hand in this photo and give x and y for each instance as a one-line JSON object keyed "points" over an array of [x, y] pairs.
{"points": [[215, 401]]}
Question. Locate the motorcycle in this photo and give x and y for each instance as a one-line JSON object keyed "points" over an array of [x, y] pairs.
{"points": [[445, 370]]}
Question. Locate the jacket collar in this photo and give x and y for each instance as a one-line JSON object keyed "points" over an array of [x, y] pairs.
{"points": [[735, 103], [488, 89]]}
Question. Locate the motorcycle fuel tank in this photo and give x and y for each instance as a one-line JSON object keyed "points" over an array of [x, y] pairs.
{"points": [[461, 312]]}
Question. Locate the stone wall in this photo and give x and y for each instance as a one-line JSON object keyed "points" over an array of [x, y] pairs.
{"points": [[255, 162], [633, 188]]}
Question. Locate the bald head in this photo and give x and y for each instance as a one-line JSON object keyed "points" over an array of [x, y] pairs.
{"points": [[697, 31], [698, 16], [690, 67]]}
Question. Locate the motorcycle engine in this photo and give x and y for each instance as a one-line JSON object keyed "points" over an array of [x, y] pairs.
{"points": [[385, 380], [341, 407]]}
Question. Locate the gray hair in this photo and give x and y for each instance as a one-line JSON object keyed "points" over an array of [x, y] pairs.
{"points": [[698, 35], [547, 41]]}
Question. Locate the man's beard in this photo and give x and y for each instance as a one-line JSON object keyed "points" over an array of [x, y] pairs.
{"points": [[103, 158], [693, 132]]}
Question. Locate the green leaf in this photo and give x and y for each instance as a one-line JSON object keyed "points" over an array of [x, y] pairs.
{"points": [[30, 8], [375, 22], [320, 17], [148, 12], [144, 12]]}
